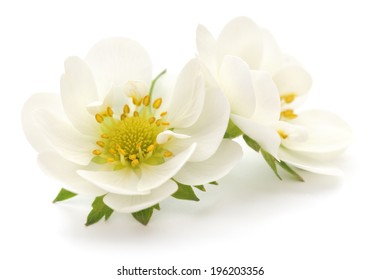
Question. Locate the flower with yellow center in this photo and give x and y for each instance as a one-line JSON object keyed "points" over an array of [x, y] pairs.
{"points": [[119, 134]]}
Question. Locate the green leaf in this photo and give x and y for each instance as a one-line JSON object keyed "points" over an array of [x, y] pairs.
{"points": [[143, 216], [214, 183], [291, 171], [251, 143], [200, 187], [63, 195], [157, 206], [185, 192], [99, 210], [272, 161], [154, 82], [232, 131]]}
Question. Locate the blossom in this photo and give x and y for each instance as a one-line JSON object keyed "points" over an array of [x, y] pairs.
{"points": [[309, 139], [113, 133]]}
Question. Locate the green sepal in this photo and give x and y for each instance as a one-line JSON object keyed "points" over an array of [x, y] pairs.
{"points": [[99, 210], [63, 195], [271, 160], [143, 216], [251, 143], [214, 183], [157, 207], [232, 131], [185, 192], [200, 187], [291, 171]]}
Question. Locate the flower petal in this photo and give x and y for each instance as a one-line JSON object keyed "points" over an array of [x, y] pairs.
{"points": [[272, 58], [268, 105], [236, 83], [327, 133], [212, 169], [67, 141], [307, 163], [292, 79], [78, 89], [187, 100], [134, 203], [32, 130], [207, 49], [116, 61], [242, 37], [65, 171], [168, 135], [152, 176], [123, 181], [265, 135], [209, 130]]}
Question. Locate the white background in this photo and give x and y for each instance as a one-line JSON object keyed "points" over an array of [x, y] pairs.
{"points": [[325, 228]]}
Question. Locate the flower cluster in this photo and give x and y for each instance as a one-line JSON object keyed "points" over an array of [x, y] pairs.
{"points": [[131, 141]]}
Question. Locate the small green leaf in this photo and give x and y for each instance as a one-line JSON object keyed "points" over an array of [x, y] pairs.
{"points": [[63, 195], [200, 187], [214, 183], [232, 131], [157, 206], [291, 171], [185, 192], [99, 210], [143, 216], [251, 143], [271, 160]]}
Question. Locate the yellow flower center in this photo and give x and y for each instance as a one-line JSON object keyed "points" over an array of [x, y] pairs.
{"points": [[130, 139]]}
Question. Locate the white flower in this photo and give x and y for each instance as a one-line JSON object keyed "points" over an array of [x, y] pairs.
{"points": [[110, 136], [309, 140]]}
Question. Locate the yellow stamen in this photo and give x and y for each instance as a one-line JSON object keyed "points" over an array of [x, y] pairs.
{"points": [[136, 101], [282, 134], [105, 136], [146, 100], [126, 109], [150, 148], [135, 162], [288, 114], [165, 123], [122, 152], [138, 145], [163, 114], [157, 103], [132, 157], [110, 159], [288, 98], [168, 154], [100, 143], [158, 122], [99, 118], [123, 116], [96, 152], [152, 120], [109, 111], [112, 151], [135, 114]]}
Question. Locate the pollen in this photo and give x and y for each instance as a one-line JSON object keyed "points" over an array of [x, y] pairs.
{"points": [[96, 152], [99, 118], [288, 98], [126, 109], [282, 134], [109, 111], [157, 103], [146, 100], [288, 114], [100, 144]]}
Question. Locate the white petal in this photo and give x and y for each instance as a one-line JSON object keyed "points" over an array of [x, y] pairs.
{"points": [[268, 105], [272, 58], [292, 79], [134, 203], [217, 166], [327, 133], [78, 89], [67, 141], [123, 181], [207, 49], [116, 61], [32, 130], [243, 38], [168, 135], [209, 130], [152, 176], [187, 100], [65, 171], [236, 83], [307, 163], [265, 135]]}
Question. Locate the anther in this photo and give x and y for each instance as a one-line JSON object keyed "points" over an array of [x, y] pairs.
{"points": [[96, 152], [136, 101], [126, 109], [165, 123], [110, 159], [157, 103], [123, 116], [146, 100], [158, 122], [105, 136], [288, 114], [135, 162], [122, 152], [150, 148], [132, 157], [109, 111], [288, 98], [99, 118], [163, 114], [135, 114], [100, 144], [138, 145], [168, 154], [152, 120], [112, 151], [282, 134]]}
